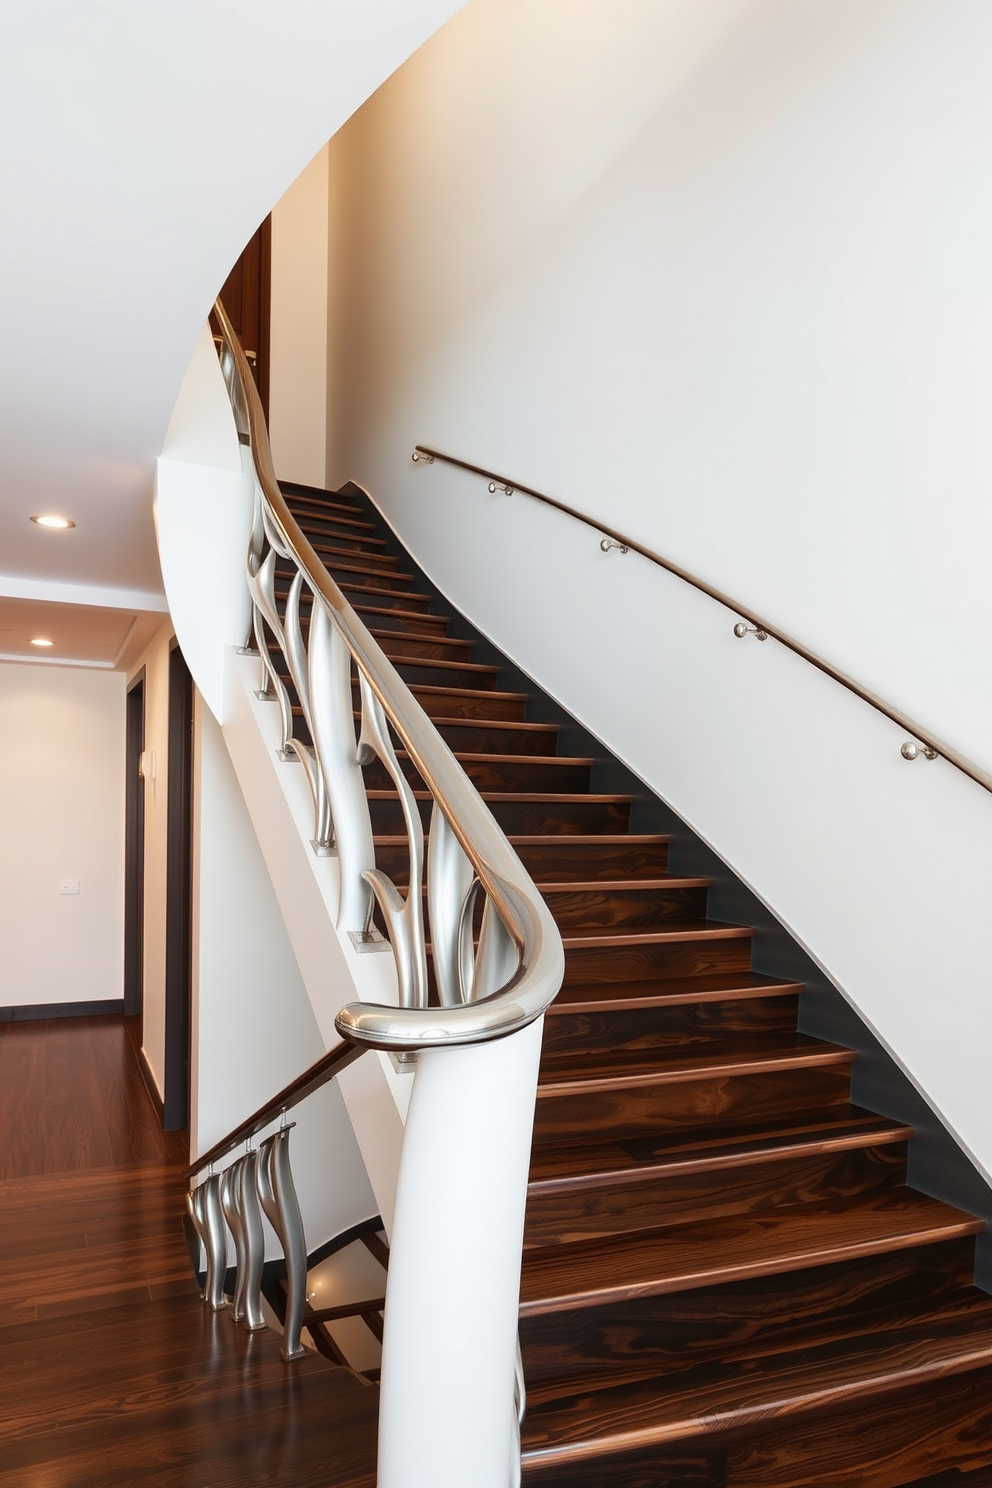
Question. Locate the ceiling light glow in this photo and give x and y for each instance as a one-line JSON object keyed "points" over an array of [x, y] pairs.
{"points": [[41, 641], [49, 519]]}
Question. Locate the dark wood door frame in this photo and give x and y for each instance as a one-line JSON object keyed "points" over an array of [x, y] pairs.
{"points": [[134, 849], [247, 298], [178, 895]]}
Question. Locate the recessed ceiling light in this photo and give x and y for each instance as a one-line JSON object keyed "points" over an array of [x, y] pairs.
{"points": [[50, 520], [41, 641]]}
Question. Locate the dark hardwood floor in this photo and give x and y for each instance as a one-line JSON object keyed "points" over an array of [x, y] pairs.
{"points": [[727, 1282], [112, 1373]]}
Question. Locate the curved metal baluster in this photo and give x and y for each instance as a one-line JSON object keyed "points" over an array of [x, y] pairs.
{"points": [[450, 876], [215, 1244], [263, 592], [277, 1193], [519, 1411], [466, 947], [497, 957], [251, 1218], [404, 917], [194, 1204], [322, 841], [333, 715], [230, 1202]]}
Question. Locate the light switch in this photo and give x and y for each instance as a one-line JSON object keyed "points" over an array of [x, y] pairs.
{"points": [[69, 886]]}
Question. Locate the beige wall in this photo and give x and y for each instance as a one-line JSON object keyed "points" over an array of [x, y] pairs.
{"points": [[298, 379], [155, 660], [61, 817]]}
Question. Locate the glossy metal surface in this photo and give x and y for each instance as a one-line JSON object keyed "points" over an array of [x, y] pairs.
{"points": [[230, 1203], [214, 1237], [251, 1220], [518, 967], [425, 455], [277, 1193]]}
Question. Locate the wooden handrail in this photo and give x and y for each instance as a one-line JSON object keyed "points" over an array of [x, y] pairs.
{"points": [[324, 1069], [928, 740]]}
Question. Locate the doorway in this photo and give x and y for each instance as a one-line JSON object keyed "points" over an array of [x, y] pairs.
{"points": [[134, 850], [178, 894], [247, 296]]}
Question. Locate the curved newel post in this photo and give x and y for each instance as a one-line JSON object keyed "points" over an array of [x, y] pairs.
{"points": [[277, 1192], [208, 1221], [447, 1414]]}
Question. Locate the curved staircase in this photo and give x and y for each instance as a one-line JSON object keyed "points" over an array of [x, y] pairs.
{"points": [[726, 1279]]}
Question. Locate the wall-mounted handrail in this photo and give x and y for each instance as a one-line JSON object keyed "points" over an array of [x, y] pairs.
{"points": [[518, 967], [932, 746], [318, 1074]]}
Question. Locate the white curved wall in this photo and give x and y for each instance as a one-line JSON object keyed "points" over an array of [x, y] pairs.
{"points": [[719, 275], [140, 147]]}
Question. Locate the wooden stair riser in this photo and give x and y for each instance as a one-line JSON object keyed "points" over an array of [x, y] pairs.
{"points": [[664, 958], [347, 563], [426, 648], [620, 906], [643, 1110], [470, 736], [425, 673], [741, 1189], [758, 1316], [559, 860], [399, 622], [514, 816], [492, 774], [686, 1025], [449, 701], [341, 535]]}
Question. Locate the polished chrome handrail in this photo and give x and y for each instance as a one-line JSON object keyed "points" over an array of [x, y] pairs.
{"points": [[517, 968], [931, 746]]}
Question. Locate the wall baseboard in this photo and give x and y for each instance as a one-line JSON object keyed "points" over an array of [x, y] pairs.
{"points": [[150, 1086], [33, 1012]]}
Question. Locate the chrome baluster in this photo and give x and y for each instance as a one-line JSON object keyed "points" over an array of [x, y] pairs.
{"points": [[215, 1244], [251, 1219], [519, 1411], [230, 1203], [497, 958], [277, 1193], [450, 879], [332, 712], [466, 943], [322, 841], [404, 917], [263, 592], [194, 1204]]}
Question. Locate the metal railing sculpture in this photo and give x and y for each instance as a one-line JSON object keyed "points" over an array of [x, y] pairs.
{"points": [[498, 963], [485, 991]]}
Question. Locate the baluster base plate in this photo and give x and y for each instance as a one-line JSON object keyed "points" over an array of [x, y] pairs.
{"points": [[369, 940]]}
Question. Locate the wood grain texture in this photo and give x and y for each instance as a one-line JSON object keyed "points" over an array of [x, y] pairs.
{"points": [[726, 1281]]}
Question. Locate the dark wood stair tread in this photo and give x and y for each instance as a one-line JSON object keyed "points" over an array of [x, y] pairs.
{"points": [[687, 930], [622, 1068], [738, 1392], [719, 987], [572, 1167], [732, 1248]]}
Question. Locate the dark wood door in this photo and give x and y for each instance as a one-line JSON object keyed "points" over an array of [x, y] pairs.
{"points": [[178, 894], [246, 297], [134, 850]]}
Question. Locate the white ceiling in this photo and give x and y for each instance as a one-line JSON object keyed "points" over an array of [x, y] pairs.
{"points": [[140, 146], [81, 635]]}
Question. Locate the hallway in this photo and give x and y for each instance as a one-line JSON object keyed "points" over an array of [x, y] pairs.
{"points": [[112, 1372]]}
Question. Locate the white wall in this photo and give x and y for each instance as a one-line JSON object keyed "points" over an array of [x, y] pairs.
{"points": [[253, 1027], [298, 346], [720, 275], [61, 817]]}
